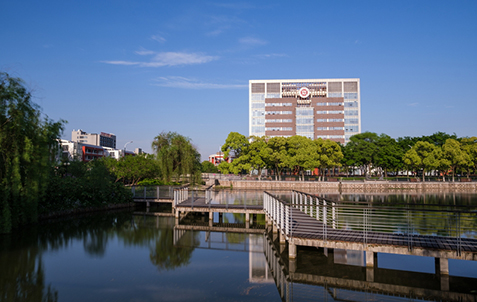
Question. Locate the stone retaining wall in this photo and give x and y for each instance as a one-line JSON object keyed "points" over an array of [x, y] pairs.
{"points": [[354, 187]]}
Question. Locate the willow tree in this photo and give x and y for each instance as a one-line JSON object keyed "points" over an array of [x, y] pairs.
{"points": [[176, 156], [28, 146]]}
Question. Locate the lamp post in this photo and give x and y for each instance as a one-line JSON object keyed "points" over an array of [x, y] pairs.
{"points": [[124, 151]]}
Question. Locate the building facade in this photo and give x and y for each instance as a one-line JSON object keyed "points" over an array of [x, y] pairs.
{"points": [[103, 139], [315, 108]]}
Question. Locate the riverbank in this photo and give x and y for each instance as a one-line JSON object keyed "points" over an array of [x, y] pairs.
{"points": [[352, 186]]}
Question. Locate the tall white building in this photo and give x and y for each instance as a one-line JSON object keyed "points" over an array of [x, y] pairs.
{"points": [[315, 108]]}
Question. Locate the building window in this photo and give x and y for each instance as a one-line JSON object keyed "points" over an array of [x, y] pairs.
{"points": [[304, 120], [278, 112], [279, 121], [278, 129], [351, 121], [304, 128]]}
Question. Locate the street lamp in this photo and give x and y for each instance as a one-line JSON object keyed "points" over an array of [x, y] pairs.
{"points": [[124, 151]]}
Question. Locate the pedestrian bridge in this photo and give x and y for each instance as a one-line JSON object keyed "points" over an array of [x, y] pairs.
{"points": [[421, 230], [443, 232]]}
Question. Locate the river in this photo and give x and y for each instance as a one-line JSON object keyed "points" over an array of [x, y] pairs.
{"points": [[122, 256]]}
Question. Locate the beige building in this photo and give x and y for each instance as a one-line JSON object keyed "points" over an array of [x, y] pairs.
{"points": [[103, 139], [315, 108]]}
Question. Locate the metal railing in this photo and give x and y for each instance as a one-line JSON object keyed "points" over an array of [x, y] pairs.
{"points": [[280, 213], [153, 192], [415, 224], [180, 194]]}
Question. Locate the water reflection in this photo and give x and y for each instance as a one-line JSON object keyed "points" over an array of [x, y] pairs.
{"points": [[141, 257]]}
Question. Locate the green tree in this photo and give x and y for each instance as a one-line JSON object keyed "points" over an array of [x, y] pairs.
{"points": [[276, 154], [302, 155], [208, 167], [176, 156], [132, 169], [361, 151], [422, 155], [388, 155], [330, 154], [235, 144], [456, 155], [28, 147], [253, 157], [469, 144]]}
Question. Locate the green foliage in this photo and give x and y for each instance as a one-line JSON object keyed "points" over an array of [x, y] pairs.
{"points": [[235, 144], [157, 182], [131, 169], [176, 157], [78, 184], [28, 145], [457, 156], [208, 167]]}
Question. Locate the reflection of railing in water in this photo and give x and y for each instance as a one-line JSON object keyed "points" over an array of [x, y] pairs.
{"points": [[330, 280]]}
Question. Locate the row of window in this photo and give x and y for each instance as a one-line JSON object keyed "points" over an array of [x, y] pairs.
{"points": [[330, 120], [330, 112], [351, 112], [278, 112], [329, 104], [304, 121], [280, 121], [330, 128], [277, 104], [278, 128], [329, 136]]}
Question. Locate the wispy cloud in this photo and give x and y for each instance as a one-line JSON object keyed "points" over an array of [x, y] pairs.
{"points": [[158, 38], [160, 59], [189, 83], [250, 41], [413, 104]]}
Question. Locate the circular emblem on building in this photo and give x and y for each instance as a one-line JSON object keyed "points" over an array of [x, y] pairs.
{"points": [[304, 92]]}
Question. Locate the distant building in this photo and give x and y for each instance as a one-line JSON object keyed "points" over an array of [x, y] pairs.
{"points": [[315, 108], [103, 139], [85, 152], [218, 157]]}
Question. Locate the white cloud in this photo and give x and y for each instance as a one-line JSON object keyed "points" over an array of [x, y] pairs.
{"points": [[158, 38], [413, 104], [249, 41], [160, 59], [188, 83], [271, 55]]}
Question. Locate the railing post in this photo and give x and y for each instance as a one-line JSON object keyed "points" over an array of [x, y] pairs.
{"points": [[145, 192], [133, 191], [157, 192]]}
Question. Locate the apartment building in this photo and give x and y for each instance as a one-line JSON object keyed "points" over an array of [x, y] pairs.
{"points": [[315, 108], [103, 139]]}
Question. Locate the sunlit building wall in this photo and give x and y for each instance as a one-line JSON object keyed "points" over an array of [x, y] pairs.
{"points": [[315, 108]]}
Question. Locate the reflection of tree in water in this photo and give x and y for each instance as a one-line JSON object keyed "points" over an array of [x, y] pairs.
{"points": [[22, 277], [160, 241], [165, 256]]}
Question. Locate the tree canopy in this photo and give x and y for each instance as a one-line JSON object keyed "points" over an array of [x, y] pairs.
{"points": [[28, 146]]}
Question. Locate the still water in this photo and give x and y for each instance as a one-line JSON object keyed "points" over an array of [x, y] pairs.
{"points": [[124, 256]]}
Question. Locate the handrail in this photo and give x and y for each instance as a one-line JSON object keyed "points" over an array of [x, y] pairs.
{"points": [[180, 194], [387, 205], [280, 212], [414, 223]]}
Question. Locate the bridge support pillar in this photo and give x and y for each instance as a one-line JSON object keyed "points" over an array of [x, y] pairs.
{"points": [[292, 265], [274, 228], [442, 266], [247, 217], [282, 238], [370, 274], [369, 259], [291, 250], [211, 216]]}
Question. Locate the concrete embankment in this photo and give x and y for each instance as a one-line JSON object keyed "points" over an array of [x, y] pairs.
{"points": [[352, 186]]}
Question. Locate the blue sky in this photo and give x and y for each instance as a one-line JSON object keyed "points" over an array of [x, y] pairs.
{"points": [[137, 68]]}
